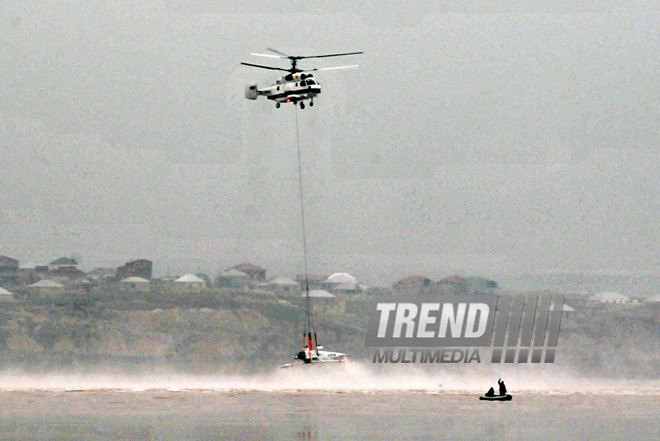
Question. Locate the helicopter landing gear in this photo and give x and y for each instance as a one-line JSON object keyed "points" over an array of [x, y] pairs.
{"points": [[302, 105], [277, 105], [311, 103]]}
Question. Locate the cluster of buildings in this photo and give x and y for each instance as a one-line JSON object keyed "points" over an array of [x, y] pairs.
{"points": [[137, 275], [63, 273], [456, 285], [612, 297], [452, 285], [319, 286]]}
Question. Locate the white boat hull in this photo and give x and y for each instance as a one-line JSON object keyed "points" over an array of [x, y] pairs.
{"points": [[314, 363]]}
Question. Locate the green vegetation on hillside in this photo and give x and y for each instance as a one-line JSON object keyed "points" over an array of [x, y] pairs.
{"points": [[233, 331]]}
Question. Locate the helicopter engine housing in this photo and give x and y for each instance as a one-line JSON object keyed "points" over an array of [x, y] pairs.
{"points": [[251, 92]]}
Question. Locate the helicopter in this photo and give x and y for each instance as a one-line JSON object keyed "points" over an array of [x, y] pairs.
{"points": [[295, 87]]}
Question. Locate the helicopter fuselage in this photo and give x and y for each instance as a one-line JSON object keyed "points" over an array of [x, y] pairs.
{"points": [[291, 88]]}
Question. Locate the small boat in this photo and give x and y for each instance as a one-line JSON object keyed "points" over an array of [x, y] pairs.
{"points": [[311, 353], [506, 397], [318, 357]]}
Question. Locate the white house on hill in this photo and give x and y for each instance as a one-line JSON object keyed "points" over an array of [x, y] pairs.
{"points": [[609, 297], [341, 278], [190, 282], [283, 283], [135, 284], [233, 278], [47, 286]]}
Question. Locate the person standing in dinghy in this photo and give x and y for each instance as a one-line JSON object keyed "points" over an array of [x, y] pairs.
{"points": [[502, 387]]}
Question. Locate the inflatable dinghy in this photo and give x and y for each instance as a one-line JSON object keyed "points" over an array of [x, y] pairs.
{"points": [[496, 398]]}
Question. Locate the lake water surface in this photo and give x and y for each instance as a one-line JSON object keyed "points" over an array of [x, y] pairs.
{"points": [[159, 414]]}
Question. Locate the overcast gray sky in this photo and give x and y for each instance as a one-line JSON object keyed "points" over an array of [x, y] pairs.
{"points": [[473, 139]]}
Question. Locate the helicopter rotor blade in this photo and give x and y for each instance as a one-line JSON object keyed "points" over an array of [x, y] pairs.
{"points": [[277, 52], [330, 55], [265, 67], [352, 66], [267, 55]]}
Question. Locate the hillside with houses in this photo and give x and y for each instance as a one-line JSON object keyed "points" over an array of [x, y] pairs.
{"points": [[58, 317]]}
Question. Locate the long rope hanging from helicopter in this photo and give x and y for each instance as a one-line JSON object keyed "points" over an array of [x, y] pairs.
{"points": [[296, 87], [308, 308]]}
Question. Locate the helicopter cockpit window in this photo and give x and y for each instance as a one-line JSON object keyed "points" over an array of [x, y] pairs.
{"points": [[303, 83]]}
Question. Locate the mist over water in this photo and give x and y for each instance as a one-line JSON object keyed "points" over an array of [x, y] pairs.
{"points": [[349, 377]]}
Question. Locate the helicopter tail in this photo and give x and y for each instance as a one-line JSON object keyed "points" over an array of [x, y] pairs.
{"points": [[251, 92]]}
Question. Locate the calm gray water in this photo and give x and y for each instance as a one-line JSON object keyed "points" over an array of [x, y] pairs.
{"points": [[324, 415]]}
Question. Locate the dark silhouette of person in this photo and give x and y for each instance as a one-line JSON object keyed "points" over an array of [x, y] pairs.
{"points": [[302, 355], [502, 387], [490, 393]]}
